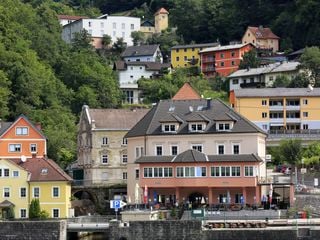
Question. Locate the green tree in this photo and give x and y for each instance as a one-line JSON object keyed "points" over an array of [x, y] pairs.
{"points": [[299, 81], [281, 81], [311, 155], [137, 38], [81, 40], [106, 41], [119, 46], [5, 93], [310, 63], [250, 60], [34, 209]]}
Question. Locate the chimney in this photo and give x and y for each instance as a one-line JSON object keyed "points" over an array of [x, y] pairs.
{"points": [[38, 126], [209, 103], [93, 124]]}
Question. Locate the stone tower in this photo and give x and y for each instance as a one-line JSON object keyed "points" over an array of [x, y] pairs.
{"points": [[161, 20]]}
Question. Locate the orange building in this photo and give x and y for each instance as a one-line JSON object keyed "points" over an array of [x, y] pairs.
{"points": [[21, 137], [222, 60]]}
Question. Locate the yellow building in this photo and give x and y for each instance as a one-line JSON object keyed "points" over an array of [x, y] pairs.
{"points": [[188, 55], [280, 110], [161, 22], [24, 179]]}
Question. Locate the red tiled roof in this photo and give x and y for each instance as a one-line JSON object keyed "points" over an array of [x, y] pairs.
{"points": [[162, 10], [70, 17], [42, 170], [186, 92], [263, 33]]}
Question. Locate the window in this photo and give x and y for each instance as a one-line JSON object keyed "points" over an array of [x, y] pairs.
{"points": [[224, 127], [23, 213], [222, 64], [180, 172], [55, 192], [235, 81], [264, 126], [6, 172], [236, 149], [15, 173], [197, 147], [124, 158], [305, 114], [114, 25], [196, 127], [123, 34], [225, 171], [192, 49], [159, 150], [220, 149], [36, 192], [233, 63], [235, 171], [248, 171], [14, 147], [21, 131], [185, 58], [191, 171], [305, 126], [55, 212], [124, 141], [137, 173], [233, 54], [102, 24], [185, 50], [104, 141], [305, 101], [23, 192], [215, 171], [271, 78], [104, 158], [132, 26], [174, 150], [6, 192], [264, 102], [124, 175], [169, 128], [89, 24], [123, 26], [264, 115], [33, 147], [222, 55], [128, 96]]}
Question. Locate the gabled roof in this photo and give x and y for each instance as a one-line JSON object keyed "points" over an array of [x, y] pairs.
{"points": [[224, 48], [199, 45], [150, 66], [147, 23], [186, 92], [42, 170], [277, 92], [197, 117], [161, 11], [6, 126], [138, 51], [114, 119], [150, 124], [194, 156], [263, 33], [170, 118]]}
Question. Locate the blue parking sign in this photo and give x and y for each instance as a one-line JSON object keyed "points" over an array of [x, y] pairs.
{"points": [[116, 203]]}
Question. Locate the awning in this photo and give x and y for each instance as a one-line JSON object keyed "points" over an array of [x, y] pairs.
{"points": [[6, 204]]}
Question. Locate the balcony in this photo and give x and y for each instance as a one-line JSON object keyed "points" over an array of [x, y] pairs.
{"points": [[276, 108], [293, 120], [292, 107], [209, 69], [306, 135], [277, 120], [253, 85], [206, 60]]}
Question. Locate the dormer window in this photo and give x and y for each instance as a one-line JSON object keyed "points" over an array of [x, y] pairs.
{"points": [[169, 127], [196, 127], [224, 126]]}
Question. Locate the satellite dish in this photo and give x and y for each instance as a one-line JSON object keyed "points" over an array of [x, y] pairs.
{"points": [[23, 158], [190, 108]]}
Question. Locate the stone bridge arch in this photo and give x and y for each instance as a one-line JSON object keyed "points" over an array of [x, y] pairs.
{"points": [[85, 201]]}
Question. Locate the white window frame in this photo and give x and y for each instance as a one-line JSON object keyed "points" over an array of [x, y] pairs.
{"points": [[124, 156], [196, 145], [25, 213], [249, 167], [23, 131], [171, 153], [53, 188], [53, 210], [305, 101], [305, 114], [236, 144], [15, 146], [20, 191], [139, 151], [264, 102], [191, 171], [33, 192], [224, 124], [6, 172], [104, 157], [215, 171], [33, 145], [124, 141], [156, 150], [5, 191], [169, 125], [197, 129], [224, 148]]}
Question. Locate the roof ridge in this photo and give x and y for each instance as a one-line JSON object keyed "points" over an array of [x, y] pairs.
{"points": [[56, 167]]}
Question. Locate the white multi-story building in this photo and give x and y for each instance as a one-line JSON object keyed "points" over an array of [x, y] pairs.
{"points": [[114, 26]]}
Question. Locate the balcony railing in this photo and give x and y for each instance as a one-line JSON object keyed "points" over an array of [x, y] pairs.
{"points": [[293, 120], [253, 85], [208, 69], [293, 107], [276, 108], [205, 60]]}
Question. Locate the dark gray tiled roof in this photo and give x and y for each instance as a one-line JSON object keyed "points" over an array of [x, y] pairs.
{"points": [[277, 92], [197, 117], [150, 124], [170, 118], [143, 50], [4, 126], [191, 156]]}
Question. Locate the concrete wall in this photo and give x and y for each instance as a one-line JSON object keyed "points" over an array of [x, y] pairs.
{"points": [[26, 230]]}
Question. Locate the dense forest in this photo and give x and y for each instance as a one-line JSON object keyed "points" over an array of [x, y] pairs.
{"points": [[49, 81]]}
